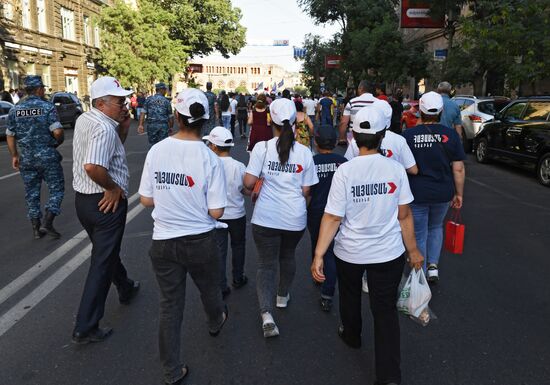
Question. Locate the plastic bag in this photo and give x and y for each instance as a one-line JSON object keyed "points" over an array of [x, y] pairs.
{"points": [[414, 296]]}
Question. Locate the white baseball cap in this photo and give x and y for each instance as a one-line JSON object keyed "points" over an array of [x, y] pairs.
{"points": [[431, 103], [369, 120], [282, 109], [385, 108], [105, 86], [187, 98], [220, 136]]}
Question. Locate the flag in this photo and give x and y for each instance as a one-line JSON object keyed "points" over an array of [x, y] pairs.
{"points": [[274, 88], [299, 53], [260, 86], [281, 83]]}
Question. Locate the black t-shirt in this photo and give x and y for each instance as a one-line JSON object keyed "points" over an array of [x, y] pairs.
{"points": [[325, 165]]}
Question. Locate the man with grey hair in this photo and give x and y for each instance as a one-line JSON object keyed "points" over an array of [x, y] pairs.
{"points": [[364, 98], [100, 179], [450, 117]]}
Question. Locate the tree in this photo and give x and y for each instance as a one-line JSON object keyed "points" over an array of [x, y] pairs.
{"points": [[136, 46], [241, 90], [206, 25]]}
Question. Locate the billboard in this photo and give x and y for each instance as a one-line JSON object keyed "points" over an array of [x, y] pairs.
{"points": [[280, 43], [416, 14], [332, 61]]}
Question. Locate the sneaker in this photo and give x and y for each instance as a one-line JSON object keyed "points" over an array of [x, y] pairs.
{"points": [[365, 283], [433, 273], [268, 325], [240, 283], [326, 304], [282, 302]]}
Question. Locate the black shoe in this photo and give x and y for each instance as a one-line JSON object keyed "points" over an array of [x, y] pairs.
{"points": [[240, 283], [94, 335], [226, 292], [216, 331], [180, 381], [126, 297], [353, 345], [326, 304], [47, 226], [37, 233]]}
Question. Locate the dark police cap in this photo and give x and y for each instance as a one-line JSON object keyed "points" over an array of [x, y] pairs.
{"points": [[160, 86], [33, 81]]}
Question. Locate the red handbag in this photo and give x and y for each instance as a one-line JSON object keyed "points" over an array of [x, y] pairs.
{"points": [[454, 233]]}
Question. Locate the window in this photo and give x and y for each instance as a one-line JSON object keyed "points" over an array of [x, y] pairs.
{"points": [[97, 41], [67, 24], [8, 10], [26, 13], [30, 69], [47, 76], [86, 28], [13, 74], [537, 111], [515, 110], [5, 108], [62, 99], [41, 14]]}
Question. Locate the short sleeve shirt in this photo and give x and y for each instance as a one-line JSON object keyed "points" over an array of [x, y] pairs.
{"points": [[355, 104], [451, 113], [325, 165], [366, 192], [185, 180], [434, 182], [234, 176], [281, 204], [158, 109]]}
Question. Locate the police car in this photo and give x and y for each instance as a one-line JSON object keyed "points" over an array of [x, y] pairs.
{"points": [[5, 108]]}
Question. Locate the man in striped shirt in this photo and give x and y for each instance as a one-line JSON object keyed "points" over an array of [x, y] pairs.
{"points": [[100, 179], [365, 98]]}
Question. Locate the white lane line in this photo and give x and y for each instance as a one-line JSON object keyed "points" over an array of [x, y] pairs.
{"points": [[33, 272], [17, 312], [9, 175]]}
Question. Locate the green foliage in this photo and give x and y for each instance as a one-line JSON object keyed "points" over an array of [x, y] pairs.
{"points": [[302, 90], [136, 46], [241, 90]]}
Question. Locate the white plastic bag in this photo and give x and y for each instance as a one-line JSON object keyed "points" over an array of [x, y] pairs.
{"points": [[414, 297]]}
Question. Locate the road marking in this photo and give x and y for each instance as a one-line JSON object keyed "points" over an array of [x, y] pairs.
{"points": [[33, 272], [17, 312], [9, 175]]}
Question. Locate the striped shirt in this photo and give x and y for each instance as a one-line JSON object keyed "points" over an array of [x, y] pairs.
{"points": [[96, 141], [357, 103]]}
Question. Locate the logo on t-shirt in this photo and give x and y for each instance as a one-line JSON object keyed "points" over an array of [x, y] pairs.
{"points": [[427, 140], [363, 192], [291, 168], [325, 170], [387, 153], [166, 179]]}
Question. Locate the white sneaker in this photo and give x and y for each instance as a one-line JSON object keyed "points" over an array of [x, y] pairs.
{"points": [[365, 283], [433, 273], [268, 325], [282, 302]]}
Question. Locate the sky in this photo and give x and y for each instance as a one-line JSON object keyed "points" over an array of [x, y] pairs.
{"points": [[268, 20]]}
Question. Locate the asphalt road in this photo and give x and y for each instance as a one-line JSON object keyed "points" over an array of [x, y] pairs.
{"points": [[492, 303]]}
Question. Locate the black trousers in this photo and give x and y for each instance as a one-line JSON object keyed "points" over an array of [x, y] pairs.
{"points": [[384, 279], [232, 123], [105, 232]]}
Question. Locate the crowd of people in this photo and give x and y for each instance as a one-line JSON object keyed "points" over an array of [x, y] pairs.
{"points": [[368, 213]]}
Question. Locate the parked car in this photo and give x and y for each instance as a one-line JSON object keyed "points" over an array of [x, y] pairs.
{"points": [[410, 114], [5, 108], [520, 132], [475, 111], [68, 107]]}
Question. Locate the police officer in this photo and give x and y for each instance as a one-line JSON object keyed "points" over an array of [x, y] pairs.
{"points": [[34, 128], [212, 109], [160, 118]]}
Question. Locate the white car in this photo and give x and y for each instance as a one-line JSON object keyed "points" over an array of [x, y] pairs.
{"points": [[475, 111], [5, 108]]}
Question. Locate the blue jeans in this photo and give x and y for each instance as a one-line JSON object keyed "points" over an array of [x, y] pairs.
{"points": [[226, 121], [428, 229], [236, 228], [329, 259]]}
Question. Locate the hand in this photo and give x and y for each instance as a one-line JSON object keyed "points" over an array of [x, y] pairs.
{"points": [[416, 260], [456, 203], [140, 130], [317, 269], [15, 162], [110, 200]]}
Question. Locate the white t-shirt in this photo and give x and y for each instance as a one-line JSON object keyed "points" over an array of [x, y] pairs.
{"points": [[393, 146], [309, 106], [281, 204], [185, 179], [233, 105], [355, 104], [367, 192], [234, 175]]}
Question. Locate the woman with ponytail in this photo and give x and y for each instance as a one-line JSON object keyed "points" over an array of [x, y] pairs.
{"points": [[184, 181], [279, 217]]}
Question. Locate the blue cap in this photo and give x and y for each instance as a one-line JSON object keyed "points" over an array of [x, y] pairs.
{"points": [[160, 85], [33, 81]]}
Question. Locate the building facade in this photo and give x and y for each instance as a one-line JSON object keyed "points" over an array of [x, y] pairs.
{"points": [[52, 38], [230, 76]]}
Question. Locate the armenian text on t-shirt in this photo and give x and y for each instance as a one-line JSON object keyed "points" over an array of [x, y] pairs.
{"points": [[274, 168], [165, 179], [427, 140], [362, 192]]}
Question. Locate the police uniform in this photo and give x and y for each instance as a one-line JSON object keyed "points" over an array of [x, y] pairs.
{"points": [[159, 111], [211, 123], [31, 123]]}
